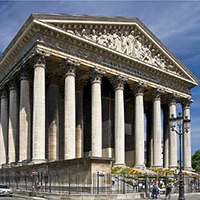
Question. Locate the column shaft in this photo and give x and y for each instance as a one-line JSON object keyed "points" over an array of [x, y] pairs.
{"points": [[139, 130], [96, 114], [119, 121], [39, 111], [4, 129], [157, 148], [13, 128], [53, 122], [139, 124], [96, 120], [187, 163], [70, 112], [172, 138], [166, 138], [79, 120], [24, 120], [149, 138]]}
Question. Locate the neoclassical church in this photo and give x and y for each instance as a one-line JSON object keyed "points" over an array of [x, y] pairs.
{"points": [[77, 87]]}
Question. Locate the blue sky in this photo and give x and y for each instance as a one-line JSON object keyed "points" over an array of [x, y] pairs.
{"points": [[175, 23]]}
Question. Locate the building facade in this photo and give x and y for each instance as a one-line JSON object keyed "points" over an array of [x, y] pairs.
{"points": [[79, 86]]}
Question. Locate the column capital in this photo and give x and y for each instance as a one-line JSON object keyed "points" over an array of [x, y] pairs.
{"points": [[80, 85], [39, 59], [118, 82], [24, 75], [3, 92], [96, 75], [186, 103], [156, 93], [69, 66], [172, 100], [12, 84], [138, 88]]}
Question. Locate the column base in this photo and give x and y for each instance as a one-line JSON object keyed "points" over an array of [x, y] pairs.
{"points": [[23, 162], [173, 167], [3, 166], [119, 165], [38, 161], [157, 166], [143, 167], [188, 169]]}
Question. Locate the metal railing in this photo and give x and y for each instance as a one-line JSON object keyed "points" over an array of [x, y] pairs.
{"points": [[97, 183]]}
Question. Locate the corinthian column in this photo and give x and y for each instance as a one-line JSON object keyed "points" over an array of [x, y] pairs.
{"points": [[79, 119], [4, 128], [157, 145], [96, 113], [118, 83], [70, 110], [39, 109], [53, 119], [187, 136], [172, 137], [139, 124], [13, 127], [166, 137], [24, 118]]}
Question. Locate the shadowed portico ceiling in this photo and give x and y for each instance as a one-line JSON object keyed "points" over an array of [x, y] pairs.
{"points": [[128, 38]]}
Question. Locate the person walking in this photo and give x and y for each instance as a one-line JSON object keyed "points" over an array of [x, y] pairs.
{"points": [[155, 191], [168, 192]]}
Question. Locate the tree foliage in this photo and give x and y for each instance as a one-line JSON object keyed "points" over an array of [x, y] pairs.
{"points": [[196, 160]]}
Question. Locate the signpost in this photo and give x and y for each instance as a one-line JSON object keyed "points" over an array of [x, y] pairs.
{"points": [[34, 172]]}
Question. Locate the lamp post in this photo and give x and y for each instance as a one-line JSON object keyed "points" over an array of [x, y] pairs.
{"points": [[183, 127]]}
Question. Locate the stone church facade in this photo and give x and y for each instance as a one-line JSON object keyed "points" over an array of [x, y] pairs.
{"points": [[80, 86]]}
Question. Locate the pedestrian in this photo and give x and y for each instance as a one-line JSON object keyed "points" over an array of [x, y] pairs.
{"points": [[168, 192], [134, 184], [155, 191], [113, 180]]}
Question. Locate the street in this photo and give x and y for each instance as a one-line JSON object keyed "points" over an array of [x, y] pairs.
{"points": [[193, 196], [21, 198]]}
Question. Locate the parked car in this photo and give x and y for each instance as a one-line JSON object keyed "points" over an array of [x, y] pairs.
{"points": [[5, 190]]}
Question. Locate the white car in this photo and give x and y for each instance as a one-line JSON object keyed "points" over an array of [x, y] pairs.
{"points": [[5, 190]]}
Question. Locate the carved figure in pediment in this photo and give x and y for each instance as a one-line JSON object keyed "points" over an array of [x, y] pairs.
{"points": [[93, 36], [116, 42], [102, 38], [159, 61], [85, 33], [147, 53], [169, 67], [110, 40], [70, 31], [138, 48], [125, 43], [77, 33], [152, 59], [131, 44]]}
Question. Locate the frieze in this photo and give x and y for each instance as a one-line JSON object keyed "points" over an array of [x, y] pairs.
{"points": [[109, 62]]}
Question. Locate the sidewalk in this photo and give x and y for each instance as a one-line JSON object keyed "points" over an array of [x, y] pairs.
{"points": [[190, 196]]}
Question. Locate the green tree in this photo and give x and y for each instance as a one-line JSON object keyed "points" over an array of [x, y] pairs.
{"points": [[196, 160]]}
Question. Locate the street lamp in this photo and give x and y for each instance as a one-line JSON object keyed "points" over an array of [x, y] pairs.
{"points": [[183, 127]]}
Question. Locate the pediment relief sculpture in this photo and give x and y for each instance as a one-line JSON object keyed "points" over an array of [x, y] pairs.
{"points": [[129, 42]]}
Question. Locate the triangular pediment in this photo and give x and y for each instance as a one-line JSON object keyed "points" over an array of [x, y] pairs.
{"points": [[126, 36]]}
